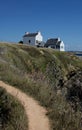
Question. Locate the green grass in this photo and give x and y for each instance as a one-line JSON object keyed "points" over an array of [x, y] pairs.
{"points": [[42, 73]]}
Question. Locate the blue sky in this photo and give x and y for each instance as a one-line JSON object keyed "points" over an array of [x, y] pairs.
{"points": [[54, 18]]}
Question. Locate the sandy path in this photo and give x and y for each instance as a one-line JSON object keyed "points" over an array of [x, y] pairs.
{"points": [[35, 113]]}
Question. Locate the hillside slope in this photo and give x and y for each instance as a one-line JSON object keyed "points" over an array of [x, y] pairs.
{"points": [[46, 75], [12, 113]]}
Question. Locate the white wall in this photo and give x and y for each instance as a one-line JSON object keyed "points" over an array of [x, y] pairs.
{"points": [[62, 46], [26, 40], [39, 38]]}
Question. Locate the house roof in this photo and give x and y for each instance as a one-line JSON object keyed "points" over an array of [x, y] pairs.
{"points": [[53, 41], [30, 34]]}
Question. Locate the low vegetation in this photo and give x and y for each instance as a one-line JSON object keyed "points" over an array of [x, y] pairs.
{"points": [[50, 77], [12, 114]]}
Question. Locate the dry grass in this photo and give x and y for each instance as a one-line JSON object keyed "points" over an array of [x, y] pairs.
{"points": [[12, 114], [42, 73]]}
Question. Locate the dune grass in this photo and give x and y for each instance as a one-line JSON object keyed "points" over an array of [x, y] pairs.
{"points": [[12, 113], [41, 73]]}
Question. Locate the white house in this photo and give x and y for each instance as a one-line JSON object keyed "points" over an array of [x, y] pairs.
{"points": [[55, 43], [33, 38]]}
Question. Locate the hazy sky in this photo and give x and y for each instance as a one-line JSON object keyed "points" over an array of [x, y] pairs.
{"points": [[54, 18]]}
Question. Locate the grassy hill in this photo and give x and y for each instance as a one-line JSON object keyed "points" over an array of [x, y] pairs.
{"points": [[54, 78]]}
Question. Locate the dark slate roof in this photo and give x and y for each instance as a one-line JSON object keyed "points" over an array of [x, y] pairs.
{"points": [[30, 35], [52, 41]]}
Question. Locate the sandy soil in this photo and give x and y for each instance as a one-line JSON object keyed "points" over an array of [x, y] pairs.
{"points": [[36, 114]]}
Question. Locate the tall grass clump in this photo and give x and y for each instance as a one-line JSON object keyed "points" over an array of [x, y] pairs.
{"points": [[12, 113]]}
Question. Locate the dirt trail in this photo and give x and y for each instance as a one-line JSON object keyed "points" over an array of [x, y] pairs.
{"points": [[36, 114]]}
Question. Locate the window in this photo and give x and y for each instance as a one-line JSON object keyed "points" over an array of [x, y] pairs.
{"points": [[62, 47], [29, 41]]}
